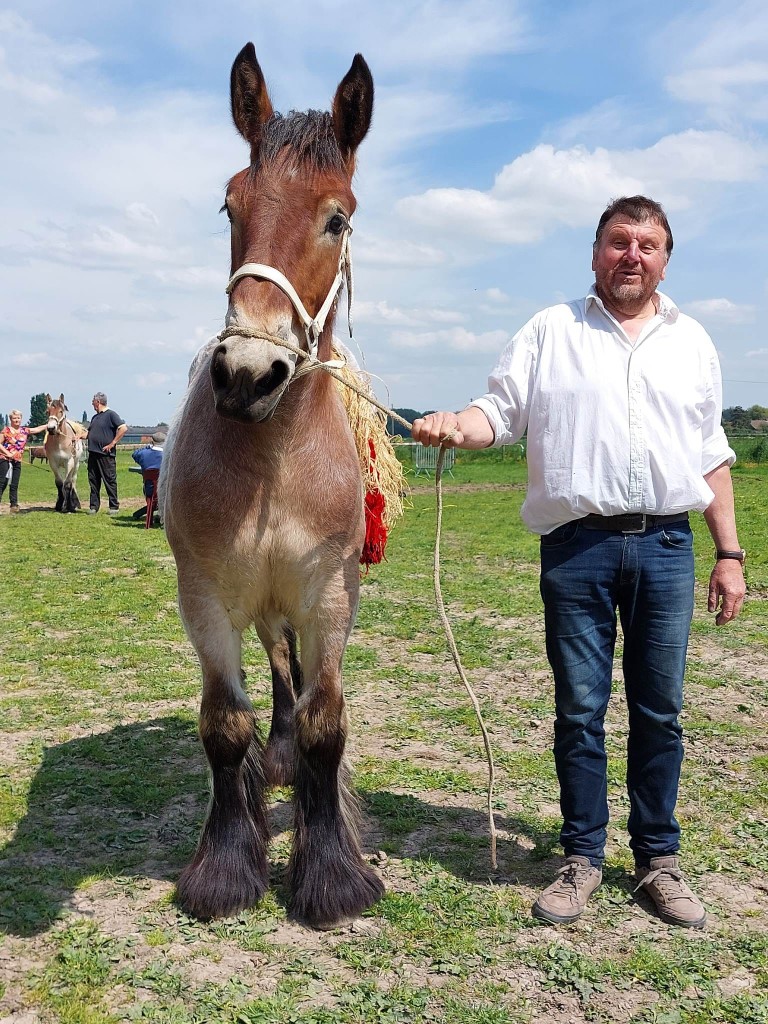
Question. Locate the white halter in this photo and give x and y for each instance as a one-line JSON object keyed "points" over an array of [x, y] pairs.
{"points": [[312, 327]]}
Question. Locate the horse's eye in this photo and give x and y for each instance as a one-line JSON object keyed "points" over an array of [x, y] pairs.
{"points": [[226, 209], [336, 224]]}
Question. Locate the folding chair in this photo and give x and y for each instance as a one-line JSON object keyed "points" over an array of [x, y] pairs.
{"points": [[151, 475]]}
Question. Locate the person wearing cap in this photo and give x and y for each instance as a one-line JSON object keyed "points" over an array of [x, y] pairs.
{"points": [[621, 397], [149, 457]]}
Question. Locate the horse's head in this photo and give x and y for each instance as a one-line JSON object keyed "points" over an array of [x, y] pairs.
{"points": [[57, 413], [290, 212]]}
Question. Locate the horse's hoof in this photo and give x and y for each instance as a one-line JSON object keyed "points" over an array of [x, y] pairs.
{"points": [[326, 903], [208, 891]]}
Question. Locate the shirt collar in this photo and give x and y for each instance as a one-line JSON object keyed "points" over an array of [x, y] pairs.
{"points": [[667, 309]]}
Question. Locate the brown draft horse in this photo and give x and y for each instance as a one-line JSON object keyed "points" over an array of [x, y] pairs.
{"points": [[262, 499], [63, 449]]}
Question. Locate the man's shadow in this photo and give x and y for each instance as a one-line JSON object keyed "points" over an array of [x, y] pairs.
{"points": [[131, 801]]}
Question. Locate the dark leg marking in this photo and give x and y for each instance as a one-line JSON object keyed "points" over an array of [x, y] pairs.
{"points": [[229, 871]]}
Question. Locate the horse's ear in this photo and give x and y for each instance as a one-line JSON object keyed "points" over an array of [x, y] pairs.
{"points": [[353, 108], [61, 398], [251, 105], [48, 399]]}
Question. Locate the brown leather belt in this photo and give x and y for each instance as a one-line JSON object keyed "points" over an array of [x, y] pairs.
{"points": [[631, 522]]}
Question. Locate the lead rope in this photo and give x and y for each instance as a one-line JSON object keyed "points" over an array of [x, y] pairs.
{"points": [[311, 363]]}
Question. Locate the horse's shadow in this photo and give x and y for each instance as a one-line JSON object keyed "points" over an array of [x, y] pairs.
{"points": [[131, 801], [36, 508]]}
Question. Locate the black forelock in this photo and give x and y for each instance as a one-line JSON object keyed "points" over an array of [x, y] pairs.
{"points": [[307, 134]]}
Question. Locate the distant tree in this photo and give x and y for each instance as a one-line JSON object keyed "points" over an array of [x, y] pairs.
{"points": [[757, 412], [736, 418], [38, 410]]}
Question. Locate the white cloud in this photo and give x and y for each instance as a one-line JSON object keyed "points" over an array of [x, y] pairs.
{"points": [[547, 187], [382, 313], [757, 353], [721, 60], [381, 252], [445, 33], [190, 278], [457, 339], [142, 312], [738, 88], [496, 295], [721, 311], [141, 214]]}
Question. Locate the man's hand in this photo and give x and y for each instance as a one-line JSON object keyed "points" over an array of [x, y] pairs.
{"points": [[726, 590], [437, 429], [466, 429]]}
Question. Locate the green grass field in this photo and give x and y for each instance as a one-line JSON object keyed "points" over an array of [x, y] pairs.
{"points": [[103, 790]]}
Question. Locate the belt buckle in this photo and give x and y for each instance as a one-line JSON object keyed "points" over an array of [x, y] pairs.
{"points": [[641, 529]]}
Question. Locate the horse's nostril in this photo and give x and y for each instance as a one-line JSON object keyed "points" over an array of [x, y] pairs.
{"points": [[267, 384], [219, 371]]}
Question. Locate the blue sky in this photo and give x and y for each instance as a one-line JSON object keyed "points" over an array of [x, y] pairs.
{"points": [[500, 132]]}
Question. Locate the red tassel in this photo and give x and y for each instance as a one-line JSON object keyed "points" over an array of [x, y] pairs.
{"points": [[375, 530]]}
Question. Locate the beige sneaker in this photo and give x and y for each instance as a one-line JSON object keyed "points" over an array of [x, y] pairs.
{"points": [[564, 900], [664, 883]]}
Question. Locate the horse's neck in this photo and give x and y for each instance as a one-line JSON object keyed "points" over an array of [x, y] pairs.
{"points": [[309, 406], [66, 431]]}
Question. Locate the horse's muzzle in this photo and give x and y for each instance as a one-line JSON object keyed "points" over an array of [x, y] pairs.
{"points": [[249, 378]]}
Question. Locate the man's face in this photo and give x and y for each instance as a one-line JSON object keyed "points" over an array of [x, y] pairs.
{"points": [[95, 404], [629, 262]]}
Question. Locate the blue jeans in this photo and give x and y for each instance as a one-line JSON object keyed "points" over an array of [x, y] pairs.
{"points": [[586, 575]]}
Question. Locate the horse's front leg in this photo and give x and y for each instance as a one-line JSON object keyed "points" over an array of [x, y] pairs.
{"points": [[59, 497], [229, 871], [329, 880]]}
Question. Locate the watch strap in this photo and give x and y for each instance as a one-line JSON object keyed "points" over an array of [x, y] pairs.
{"points": [[738, 556]]}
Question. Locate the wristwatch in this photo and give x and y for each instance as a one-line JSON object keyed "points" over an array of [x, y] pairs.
{"points": [[739, 556]]}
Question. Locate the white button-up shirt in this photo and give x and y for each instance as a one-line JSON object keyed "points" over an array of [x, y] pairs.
{"points": [[613, 426]]}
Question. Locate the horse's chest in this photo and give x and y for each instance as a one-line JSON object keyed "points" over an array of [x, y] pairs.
{"points": [[277, 551], [282, 568], [59, 459]]}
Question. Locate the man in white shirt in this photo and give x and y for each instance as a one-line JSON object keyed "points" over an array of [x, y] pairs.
{"points": [[621, 396]]}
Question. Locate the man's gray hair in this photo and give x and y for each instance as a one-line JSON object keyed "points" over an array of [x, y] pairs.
{"points": [[640, 209], [100, 397]]}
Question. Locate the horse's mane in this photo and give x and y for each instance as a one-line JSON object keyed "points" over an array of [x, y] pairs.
{"points": [[309, 134]]}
